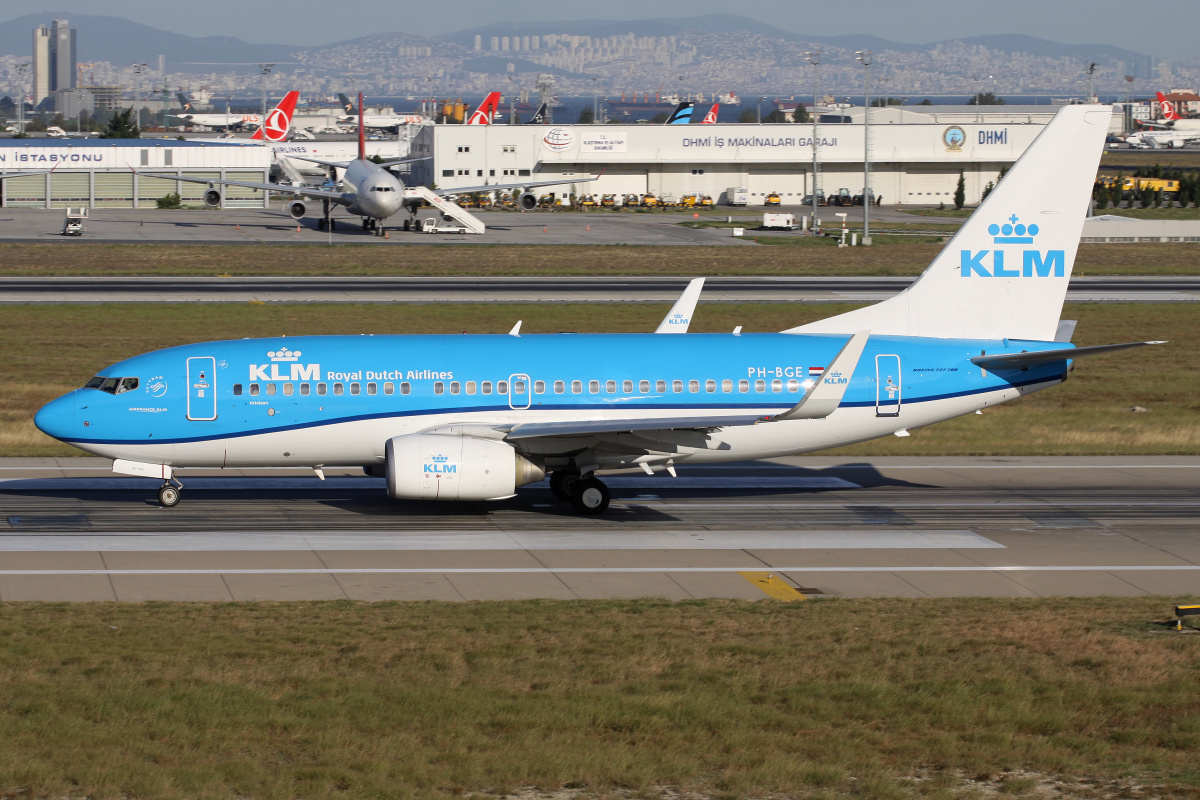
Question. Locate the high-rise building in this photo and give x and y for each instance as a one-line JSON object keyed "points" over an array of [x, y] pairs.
{"points": [[53, 59]]}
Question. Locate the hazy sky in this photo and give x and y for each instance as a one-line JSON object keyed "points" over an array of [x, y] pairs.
{"points": [[1166, 28]]}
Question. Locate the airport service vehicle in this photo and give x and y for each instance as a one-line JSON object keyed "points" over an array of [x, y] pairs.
{"points": [[473, 417], [841, 198], [369, 191], [780, 222], [73, 224], [1169, 188], [773, 199], [737, 196]]}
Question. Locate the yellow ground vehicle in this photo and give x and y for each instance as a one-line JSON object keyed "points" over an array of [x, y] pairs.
{"points": [[688, 201], [1169, 188], [649, 201], [547, 201], [608, 200], [706, 201], [588, 201], [773, 199], [631, 200]]}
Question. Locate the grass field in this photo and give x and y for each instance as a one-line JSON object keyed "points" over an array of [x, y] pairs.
{"points": [[51, 349], [83, 258], [873, 699]]}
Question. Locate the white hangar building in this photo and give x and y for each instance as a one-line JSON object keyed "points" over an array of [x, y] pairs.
{"points": [[916, 158], [104, 173]]}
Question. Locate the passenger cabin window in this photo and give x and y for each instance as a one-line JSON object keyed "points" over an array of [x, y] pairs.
{"points": [[539, 387], [501, 387], [793, 385], [405, 387], [726, 386], [288, 388], [439, 388], [610, 387], [644, 386], [355, 388], [676, 386], [743, 386], [660, 386], [372, 388], [270, 388], [776, 386], [254, 390], [471, 387], [559, 387], [389, 388], [338, 388], [305, 389], [486, 387], [693, 386], [594, 387], [710, 386], [576, 387], [322, 388], [760, 386], [455, 387], [519, 387], [237, 390], [627, 387]]}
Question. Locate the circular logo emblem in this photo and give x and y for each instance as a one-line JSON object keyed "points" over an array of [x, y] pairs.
{"points": [[558, 139], [277, 125], [954, 137], [156, 386]]}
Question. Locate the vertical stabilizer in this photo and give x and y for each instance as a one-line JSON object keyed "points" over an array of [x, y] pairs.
{"points": [[278, 123], [1166, 108], [486, 111], [682, 115], [711, 117], [1005, 273]]}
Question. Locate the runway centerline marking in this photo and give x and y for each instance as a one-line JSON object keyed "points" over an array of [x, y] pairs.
{"points": [[588, 570]]}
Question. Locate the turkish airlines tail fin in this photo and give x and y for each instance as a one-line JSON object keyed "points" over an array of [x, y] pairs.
{"points": [[711, 117], [1166, 108], [278, 124], [1005, 273], [487, 109]]}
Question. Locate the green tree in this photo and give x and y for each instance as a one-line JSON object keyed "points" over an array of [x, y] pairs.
{"points": [[587, 116], [986, 99], [960, 191], [169, 201], [925, 102], [775, 116], [749, 115], [801, 114], [122, 125], [659, 118], [36, 125]]}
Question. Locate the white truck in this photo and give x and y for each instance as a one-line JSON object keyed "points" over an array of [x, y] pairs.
{"points": [[779, 222], [73, 225], [737, 196]]}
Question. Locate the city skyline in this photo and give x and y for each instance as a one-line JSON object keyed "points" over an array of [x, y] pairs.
{"points": [[308, 23]]}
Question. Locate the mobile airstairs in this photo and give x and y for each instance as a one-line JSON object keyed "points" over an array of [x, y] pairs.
{"points": [[454, 218]]}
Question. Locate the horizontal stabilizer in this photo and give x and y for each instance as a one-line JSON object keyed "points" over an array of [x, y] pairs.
{"points": [[1022, 360], [826, 394]]}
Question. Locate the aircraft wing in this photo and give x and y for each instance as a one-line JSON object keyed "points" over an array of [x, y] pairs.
{"points": [[345, 164], [280, 188], [494, 186], [535, 430], [4, 175]]}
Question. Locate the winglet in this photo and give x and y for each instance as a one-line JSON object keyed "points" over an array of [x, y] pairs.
{"points": [[516, 329], [680, 316], [826, 394]]}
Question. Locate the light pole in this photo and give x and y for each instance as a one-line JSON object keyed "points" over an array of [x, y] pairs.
{"points": [[761, 100], [1091, 70], [138, 69], [814, 58], [21, 70], [864, 56], [264, 70]]}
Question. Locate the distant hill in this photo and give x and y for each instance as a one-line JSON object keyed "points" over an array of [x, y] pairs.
{"points": [[122, 41]]}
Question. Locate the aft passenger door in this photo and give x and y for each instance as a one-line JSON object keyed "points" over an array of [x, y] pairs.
{"points": [[202, 388], [887, 386], [520, 393]]}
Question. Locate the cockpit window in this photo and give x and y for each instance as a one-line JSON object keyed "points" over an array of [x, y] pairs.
{"points": [[112, 385]]}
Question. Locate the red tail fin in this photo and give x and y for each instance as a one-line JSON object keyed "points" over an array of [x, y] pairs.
{"points": [[711, 117], [487, 109], [279, 120], [362, 141], [1165, 107]]}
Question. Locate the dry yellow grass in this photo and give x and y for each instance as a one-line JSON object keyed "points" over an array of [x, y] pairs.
{"points": [[841, 698]]}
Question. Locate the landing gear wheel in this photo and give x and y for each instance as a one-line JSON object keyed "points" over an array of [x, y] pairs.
{"points": [[366, 224], [417, 226], [408, 224], [562, 482], [168, 495], [590, 496]]}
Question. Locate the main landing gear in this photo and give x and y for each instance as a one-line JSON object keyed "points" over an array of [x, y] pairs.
{"points": [[168, 495], [326, 223], [588, 495]]}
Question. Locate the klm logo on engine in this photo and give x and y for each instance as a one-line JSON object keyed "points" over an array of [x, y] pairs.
{"points": [[1034, 263], [441, 466]]}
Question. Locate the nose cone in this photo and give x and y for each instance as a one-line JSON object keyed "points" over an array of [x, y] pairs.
{"points": [[57, 418]]}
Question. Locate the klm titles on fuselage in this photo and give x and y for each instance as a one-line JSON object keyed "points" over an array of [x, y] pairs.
{"points": [[1041, 264], [312, 372]]}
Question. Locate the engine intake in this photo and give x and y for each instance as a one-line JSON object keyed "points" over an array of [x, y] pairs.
{"points": [[297, 209], [212, 198], [527, 201], [429, 466]]}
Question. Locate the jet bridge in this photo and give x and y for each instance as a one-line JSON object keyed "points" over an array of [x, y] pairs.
{"points": [[453, 216]]}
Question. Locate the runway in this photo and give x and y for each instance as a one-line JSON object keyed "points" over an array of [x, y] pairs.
{"points": [[552, 289], [792, 528]]}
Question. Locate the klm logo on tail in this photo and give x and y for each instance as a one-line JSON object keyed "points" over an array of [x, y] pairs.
{"points": [[1034, 263]]}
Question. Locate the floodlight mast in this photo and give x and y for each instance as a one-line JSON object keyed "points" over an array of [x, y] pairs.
{"points": [[864, 56], [814, 58]]}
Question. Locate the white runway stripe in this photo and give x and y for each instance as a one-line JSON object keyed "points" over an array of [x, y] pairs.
{"points": [[595, 570]]}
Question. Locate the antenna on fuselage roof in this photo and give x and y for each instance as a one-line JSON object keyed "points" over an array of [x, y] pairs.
{"points": [[362, 142]]}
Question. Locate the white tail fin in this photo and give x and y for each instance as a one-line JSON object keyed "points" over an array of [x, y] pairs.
{"points": [[1005, 273]]}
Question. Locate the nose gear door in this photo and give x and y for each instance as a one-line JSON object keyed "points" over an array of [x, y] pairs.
{"points": [[202, 388]]}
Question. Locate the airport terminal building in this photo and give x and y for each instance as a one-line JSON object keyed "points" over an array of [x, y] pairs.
{"points": [[916, 158], [106, 173]]}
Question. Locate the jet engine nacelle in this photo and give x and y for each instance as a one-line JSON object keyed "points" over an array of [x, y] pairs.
{"points": [[297, 209], [527, 201], [212, 198], [430, 466]]}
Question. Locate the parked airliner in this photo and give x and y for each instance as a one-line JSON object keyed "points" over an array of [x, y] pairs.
{"points": [[473, 417], [367, 189]]}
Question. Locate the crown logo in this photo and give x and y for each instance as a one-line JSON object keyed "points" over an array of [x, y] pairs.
{"points": [[440, 459], [1013, 232], [283, 354]]}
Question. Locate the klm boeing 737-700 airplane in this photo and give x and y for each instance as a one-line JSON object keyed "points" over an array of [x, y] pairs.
{"points": [[473, 417]]}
